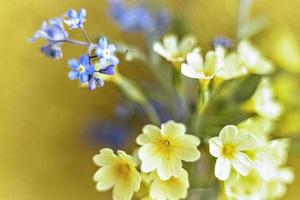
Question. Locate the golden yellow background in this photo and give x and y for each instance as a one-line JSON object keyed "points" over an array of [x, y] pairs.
{"points": [[43, 154]]}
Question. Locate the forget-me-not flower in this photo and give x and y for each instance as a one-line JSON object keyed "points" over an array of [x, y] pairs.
{"points": [[81, 69], [106, 53], [53, 32], [75, 19], [138, 18]]}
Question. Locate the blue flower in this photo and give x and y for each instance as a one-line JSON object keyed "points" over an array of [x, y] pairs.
{"points": [[52, 51], [113, 134], [222, 41], [81, 69], [138, 18], [106, 53], [75, 20], [53, 32], [95, 82]]}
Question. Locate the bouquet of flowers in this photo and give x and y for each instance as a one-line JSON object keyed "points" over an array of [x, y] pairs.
{"points": [[213, 115]]}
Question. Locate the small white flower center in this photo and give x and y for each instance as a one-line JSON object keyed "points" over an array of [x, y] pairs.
{"points": [[106, 53], [81, 69]]}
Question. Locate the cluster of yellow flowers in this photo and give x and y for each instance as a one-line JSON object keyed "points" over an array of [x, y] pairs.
{"points": [[250, 164], [161, 154], [257, 162]]}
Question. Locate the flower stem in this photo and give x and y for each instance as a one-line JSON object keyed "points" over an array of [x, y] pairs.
{"points": [[79, 43], [86, 36], [135, 94]]}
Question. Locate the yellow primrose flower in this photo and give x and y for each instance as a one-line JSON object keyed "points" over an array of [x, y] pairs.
{"points": [[277, 187], [250, 187], [172, 189], [171, 50], [258, 126], [232, 67], [117, 171], [198, 69], [263, 101], [252, 59], [164, 149], [229, 149]]}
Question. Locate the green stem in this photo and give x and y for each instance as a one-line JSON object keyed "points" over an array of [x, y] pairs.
{"points": [[135, 94]]}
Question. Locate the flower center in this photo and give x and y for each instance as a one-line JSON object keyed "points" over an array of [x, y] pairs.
{"points": [[81, 69], [228, 150], [106, 53], [123, 169], [166, 143]]}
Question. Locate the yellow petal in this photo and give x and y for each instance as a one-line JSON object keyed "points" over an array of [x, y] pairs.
{"points": [[150, 134], [150, 157], [173, 129], [105, 178], [105, 157]]}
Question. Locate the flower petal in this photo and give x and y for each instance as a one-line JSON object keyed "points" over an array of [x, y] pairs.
{"points": [[84, 60], [241, 163], [73, 75], [222, 168], [170, 43], [228, 134], [150, 158], [105, 157], [169, 167], [215, 145], [73, 63], [105, 177], [150, 134], [173, 129]]}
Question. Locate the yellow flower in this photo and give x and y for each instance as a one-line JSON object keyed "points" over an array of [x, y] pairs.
{"points": [[164, 149], [229, 149], [250, 187], [263, 101], [198, 69], [117, 171], [172, 189], [171, 50], [252, 59], [232, 67]]}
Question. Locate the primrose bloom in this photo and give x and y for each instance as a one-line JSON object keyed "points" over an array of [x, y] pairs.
{"points": [[229, 148], [252, 59], [106, 53], [172, 189], [117, 171], [81, 69], [75, 20], [164, 149], [199, 69], [263, 101], [171, 50]]}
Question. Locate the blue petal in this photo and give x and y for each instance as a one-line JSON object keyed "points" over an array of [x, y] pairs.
{"points": [[112, 48], [92, 84], [108, 70], [84, 60], [83, 78], [103, 62], [103, 43], [114, 60], [73, 63], [99, 52], [89, 69], [82, 14], [73, 75], [72, 14]]}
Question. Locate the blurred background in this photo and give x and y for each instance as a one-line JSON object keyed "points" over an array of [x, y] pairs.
{"points": [[46, 145]]}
